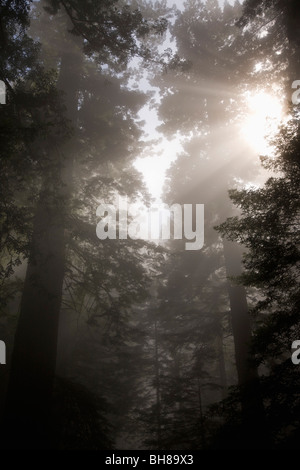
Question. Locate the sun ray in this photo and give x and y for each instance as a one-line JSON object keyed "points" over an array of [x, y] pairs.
{"points": [[261, 124]]}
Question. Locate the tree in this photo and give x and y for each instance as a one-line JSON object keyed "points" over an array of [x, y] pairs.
{"points": [[107, 35], [280, 20], [204, 102], [28, 88], [268, 227]]}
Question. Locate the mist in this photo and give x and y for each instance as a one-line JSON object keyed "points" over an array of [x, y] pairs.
{"points": [[149, 195]]}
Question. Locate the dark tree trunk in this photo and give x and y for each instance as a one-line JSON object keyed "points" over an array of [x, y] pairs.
{"points": [[27, 417], [221, 360], [240, 320], [201, 418], [255, 433], [157, 386], [29, 396]]}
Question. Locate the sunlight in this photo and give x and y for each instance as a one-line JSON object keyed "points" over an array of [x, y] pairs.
{"points": [[265, 115], [155, 164]]}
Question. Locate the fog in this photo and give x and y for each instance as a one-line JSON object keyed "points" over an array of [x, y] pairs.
{"points": [[149, 269]]}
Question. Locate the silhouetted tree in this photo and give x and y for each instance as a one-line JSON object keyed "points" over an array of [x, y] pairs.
{"points": [[111, 39]]}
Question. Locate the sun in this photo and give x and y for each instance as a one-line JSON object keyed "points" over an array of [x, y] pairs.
{"points": [[264, 117]]}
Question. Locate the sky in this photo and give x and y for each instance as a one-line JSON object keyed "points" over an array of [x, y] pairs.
{"points": [[158, 157], [179, 3]]}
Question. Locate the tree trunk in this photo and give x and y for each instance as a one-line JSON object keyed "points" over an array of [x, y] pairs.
{"points": [[255, 433], [201, 419], [157, 386], [240, 319], [27, 416], [221, 361], [34, 356]]}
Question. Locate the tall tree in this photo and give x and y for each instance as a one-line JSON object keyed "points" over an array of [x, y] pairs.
{"points": [[208, 99], [107, 34], [269, 228], [275, 24]]}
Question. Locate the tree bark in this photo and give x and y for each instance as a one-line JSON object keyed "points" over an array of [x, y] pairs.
{"points": [[254, 433], [240, 320], [221, 361], [157, 387], [27, 417], [29, 397]]}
